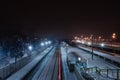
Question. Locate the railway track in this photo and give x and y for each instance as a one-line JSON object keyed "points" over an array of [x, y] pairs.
{"points": [[50, 68]]}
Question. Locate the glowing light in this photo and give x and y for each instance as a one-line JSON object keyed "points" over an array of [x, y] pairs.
{"points": [[75, 37], [83, 42], [42, 44], [30, 48], [46, 42], [102, 44], [89, 43], [114, 35], [79, 58], [49, 42], [78, 41], [82, 36], [99, 37]]}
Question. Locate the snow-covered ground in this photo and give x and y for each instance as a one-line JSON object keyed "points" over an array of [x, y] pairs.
{"points": [[96, 62]]}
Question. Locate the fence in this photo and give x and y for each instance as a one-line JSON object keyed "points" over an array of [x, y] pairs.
{"points": [[13, 67], [106, 72]]}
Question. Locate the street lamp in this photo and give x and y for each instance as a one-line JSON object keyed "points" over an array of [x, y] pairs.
{"points": [[46, 42], [49, 42], [42, 44], [30, 48], [89, 43], [92, 45], [113, 37], [79, 58], [99, 38], [102, 44], [83, 42]]}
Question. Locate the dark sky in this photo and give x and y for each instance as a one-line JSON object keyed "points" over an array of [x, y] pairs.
{"points": [[60, 18]]}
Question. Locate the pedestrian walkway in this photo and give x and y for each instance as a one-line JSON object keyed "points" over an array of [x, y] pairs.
{"points": [[96, 62], [113, 58], [67, 74]]}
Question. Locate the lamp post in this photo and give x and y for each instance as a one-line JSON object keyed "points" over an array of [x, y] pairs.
{"points": [[92, 45], [30, 48], [42, 44], [113, 37], [102, 45]]}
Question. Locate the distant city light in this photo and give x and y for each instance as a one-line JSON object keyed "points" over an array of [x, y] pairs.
{"points": [[99, 37], [89, 43], [46, 42], [75, 37], [81, 36], [114, 35], [83, 42], [78, 41], [49, 42]]}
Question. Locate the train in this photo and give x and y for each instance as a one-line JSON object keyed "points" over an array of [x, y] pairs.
{"points": [[73, 58], [70, 63]]}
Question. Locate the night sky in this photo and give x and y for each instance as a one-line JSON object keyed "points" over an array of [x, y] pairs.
{"points": [[61, 19]]}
